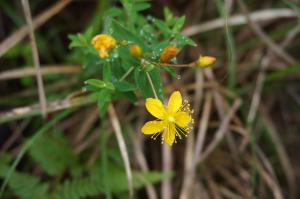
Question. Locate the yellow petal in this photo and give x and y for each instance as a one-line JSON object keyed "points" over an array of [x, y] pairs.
{"points": [[182, 119], [169, 135], [175, 102], [152, 127], [155, 108]]}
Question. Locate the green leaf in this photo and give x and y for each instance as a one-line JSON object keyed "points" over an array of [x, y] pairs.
{"points": [[5, 158], [178, 24], [168, 15], [93, 185], [183, 40], [53, 154], [125, 86], [27, 186], [107, 74], [144, 85], [171, 71], [148, 67], [95, 83], [122, 33], [162, 26], [141, 6], [113, 12], [104, 98]]}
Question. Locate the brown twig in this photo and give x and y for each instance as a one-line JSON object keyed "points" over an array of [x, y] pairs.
{"points": [[93, 115], [35, 54], [45, 70], [122, 146], [16, 37], [257, 16], [222, 130], [33, 110], [166, 186]]}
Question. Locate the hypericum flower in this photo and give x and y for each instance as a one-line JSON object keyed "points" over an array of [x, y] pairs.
{"points": [[173, 121], [135, 50], [168, 53], [205, 61], [103, 43]]}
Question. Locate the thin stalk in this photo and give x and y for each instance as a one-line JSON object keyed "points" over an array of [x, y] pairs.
{"points": [[127, 73], [152, 85], [177, 65], [104, 158]]}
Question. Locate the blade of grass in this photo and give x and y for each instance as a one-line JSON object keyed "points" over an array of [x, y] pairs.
{"points": [[231, 52]]}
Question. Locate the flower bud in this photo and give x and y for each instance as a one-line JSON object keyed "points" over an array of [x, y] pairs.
{"points": [[135, 50], [102, 43], [205, 61], [168, 53]]}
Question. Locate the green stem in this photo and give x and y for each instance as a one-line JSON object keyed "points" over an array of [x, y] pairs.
{"points": [[176, 65], [127, 73], [104, 158], [152, 85]]}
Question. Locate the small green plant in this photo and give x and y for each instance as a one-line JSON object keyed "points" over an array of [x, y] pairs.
{"points": [[131, 52]]}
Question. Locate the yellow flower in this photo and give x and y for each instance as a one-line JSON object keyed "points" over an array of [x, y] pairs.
{"points": [[102, 43], [135, 50], [205, 61], [168, 53], [172, 121]]}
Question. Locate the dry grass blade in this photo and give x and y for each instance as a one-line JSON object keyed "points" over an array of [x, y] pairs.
{"points": [[262, 15], [141, 161], [33, 110], [282, 154], [92, 116], [258, 89], [234, 182], [36, 61], [45, 70], [264, 37], [222, 130], [121, 142], [212, 186], [203, 124], [16, 37], [229, 194], [221, 106], [189, 166], [166, 186], [274, 187]]}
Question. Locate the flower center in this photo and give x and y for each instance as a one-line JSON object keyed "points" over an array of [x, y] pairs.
{"points": [[171, 119]]}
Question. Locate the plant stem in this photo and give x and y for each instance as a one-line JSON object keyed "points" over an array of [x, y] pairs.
{"points": [[176, 65], [104, 158], [151, 84], [127, 73]]}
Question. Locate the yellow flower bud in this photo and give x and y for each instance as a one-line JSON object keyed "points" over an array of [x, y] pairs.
{"points": [[135, 50], [168, 53], [102, 43], [205, 61]]}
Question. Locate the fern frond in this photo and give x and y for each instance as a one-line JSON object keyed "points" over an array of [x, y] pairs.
{"points": [[52, 153]]}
